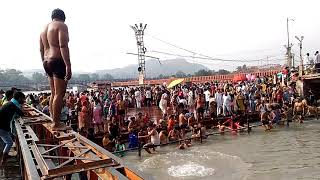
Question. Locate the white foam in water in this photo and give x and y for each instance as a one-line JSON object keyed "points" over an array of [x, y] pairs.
{"points": [[196, 162], [190, 169]]}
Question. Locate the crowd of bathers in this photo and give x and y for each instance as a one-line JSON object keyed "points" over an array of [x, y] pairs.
{"points": [[106, 116]]}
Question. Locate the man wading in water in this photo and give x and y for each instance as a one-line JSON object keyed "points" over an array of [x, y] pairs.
{"points": [[56, 62], [299, 110]]}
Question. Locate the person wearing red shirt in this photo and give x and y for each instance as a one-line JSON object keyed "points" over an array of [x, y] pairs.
{"points": [[171, 123]]}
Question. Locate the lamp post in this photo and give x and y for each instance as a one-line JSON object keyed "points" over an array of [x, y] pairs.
{"points": [[301, 58], [288, 46]]}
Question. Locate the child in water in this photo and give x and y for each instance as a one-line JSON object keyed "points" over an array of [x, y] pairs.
{"points": [[185, 144], [119, 147]]}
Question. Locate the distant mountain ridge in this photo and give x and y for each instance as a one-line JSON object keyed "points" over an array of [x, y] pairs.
{"points": [[154, 69]]}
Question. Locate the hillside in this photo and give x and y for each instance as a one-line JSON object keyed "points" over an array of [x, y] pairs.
{"points": [[154, 69]]}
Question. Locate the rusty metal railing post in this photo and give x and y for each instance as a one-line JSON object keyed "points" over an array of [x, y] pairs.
{"points": [[139, 149], [200, 136]]}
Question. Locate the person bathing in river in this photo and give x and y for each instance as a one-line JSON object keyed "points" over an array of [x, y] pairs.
{"points": [[212, 108], [154, 139], [119, 146], [265, 120], [198, 131], [183, 124], [299, 110], [185, 144], [200, 103], [133, 124], [174, 134], [232, 123], [163, 137], [191, 120], [107, 143], [276, 114]]}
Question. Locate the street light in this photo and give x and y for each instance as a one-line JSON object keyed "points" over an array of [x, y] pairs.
{"points": [[301, 59], [288, 30], [288, 47]]}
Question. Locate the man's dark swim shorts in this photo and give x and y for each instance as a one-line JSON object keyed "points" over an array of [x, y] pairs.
{"points": [[55, 68]]}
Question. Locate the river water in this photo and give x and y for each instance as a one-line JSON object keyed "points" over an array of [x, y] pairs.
{"points": [[285, 153]]}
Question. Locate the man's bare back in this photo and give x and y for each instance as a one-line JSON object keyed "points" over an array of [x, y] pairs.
{"points": [[50, 39], [182, 119], [298, 106], [54, 44]]}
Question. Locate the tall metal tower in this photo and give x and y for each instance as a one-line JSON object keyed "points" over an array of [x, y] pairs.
{"points": [[139, 32], [290, 61]]}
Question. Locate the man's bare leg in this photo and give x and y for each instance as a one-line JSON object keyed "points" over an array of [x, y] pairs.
{"points": [[60, 86], [51, 83]]}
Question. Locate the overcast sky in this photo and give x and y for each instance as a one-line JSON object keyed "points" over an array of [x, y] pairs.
{"points": [[100, 35]]}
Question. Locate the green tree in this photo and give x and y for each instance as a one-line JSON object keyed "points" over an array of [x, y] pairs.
{"points": [[107, 77], [244, 67], [85, 78], [38, 77], [161, 76], [223, 72], [15, 77], [94, 77], [239, 68], [203, 72], [180, 74]]}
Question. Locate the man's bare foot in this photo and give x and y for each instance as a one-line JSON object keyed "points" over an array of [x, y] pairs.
{"points": [[60, 127]]}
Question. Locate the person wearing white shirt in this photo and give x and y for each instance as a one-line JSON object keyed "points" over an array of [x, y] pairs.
{"points": [[207, 98], [218, 97], [191, 100], [317, 62], [183, 101], [308, 60], [226, 104], [148, 97], [163, 105], [138, 98]]}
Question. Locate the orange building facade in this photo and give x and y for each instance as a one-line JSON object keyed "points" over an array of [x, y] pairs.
{"points": [[198, 79]]}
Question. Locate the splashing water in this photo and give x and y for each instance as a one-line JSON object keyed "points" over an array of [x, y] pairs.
{"points": [[190, 169], [196, 162]]}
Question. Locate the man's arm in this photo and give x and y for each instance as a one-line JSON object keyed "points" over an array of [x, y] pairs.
{"points": [[19, 112], [64, 48], [41, 49]]}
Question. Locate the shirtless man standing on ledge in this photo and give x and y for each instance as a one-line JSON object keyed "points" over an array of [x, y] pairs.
{"points": [[56, 62]]}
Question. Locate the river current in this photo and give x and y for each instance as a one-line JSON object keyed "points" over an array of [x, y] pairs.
{"points": [[285, 153]]}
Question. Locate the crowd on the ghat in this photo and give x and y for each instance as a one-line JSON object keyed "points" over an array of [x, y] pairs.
{"points": [[103, 116]]}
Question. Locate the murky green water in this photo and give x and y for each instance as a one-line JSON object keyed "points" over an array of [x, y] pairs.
{"points": [[284, 153]]}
